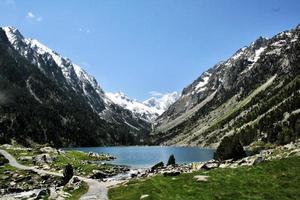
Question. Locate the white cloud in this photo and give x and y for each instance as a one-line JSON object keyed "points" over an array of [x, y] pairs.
{"points": [[155, 93], [32, 16], [87, 31]]}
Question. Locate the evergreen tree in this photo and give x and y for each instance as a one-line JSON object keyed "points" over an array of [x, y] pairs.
{"points": [[171, 160]]}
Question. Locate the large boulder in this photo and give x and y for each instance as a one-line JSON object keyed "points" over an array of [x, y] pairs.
{"points": [[157, 166], [74, 183], [210, 165], [97, 174], [43, 158]]}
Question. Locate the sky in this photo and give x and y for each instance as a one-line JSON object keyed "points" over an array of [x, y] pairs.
{"points": [[148, 47]]}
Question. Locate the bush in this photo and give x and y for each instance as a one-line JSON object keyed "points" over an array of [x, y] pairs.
{"points": [[171, 160], [230, 148], [3, 160], [68, 173]]}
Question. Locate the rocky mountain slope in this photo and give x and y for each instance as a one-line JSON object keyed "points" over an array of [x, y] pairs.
{"points": [[45, 98], [148, 110], [254, 95]]}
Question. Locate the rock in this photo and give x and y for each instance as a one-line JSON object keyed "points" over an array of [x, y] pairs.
{"points": [[224, 165], [210, 165], [201, 178], [32, 194], [157, 166], [74, 183], [171, 173], [97, 174], [257, 160], [43, 158], [45, 176], [12, 183], [26, 158], [290, 146], [60, 151], [8, 146], [42, 193], [53, 193], [295, 152], [48, 150], [144, 196], [46, 167]]}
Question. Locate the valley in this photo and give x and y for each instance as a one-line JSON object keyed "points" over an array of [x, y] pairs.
{"points": [[232, 133]]}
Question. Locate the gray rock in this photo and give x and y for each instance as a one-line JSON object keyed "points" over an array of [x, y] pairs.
{"points": [[43, 158], [48, 150], [171, 173], [97, 174], [26, 158], [257, 160]]}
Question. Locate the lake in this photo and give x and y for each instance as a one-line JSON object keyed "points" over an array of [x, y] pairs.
{"points": [[147, 156]]}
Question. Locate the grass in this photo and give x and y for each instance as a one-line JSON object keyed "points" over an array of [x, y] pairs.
{"points": [[6, 167], [77, 159], [279, 179], [76, 194]]}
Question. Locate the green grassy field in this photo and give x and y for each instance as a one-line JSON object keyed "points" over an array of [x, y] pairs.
{"points": [[75, 158], [279, 179]]}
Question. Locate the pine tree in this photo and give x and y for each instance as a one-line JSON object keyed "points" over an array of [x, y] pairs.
{"points": [[171, 160]]}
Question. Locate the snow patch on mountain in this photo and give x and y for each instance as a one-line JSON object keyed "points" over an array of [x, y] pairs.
{"points": [[201, 85], [148, 110], [162, 103]]}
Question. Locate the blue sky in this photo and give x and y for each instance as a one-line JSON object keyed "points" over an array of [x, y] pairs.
{"points": [[139, 46]]}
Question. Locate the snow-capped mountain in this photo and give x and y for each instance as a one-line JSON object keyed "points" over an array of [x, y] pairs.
{"points": [[149, 109], [161, 103], [249, 95], [52, 82]]}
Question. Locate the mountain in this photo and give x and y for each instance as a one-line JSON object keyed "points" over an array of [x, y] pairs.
{"points": [[161, 103], [148, 110], [253, 96], [45, 98]]}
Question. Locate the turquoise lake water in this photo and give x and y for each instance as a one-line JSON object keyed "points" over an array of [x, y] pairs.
{"points": [[147, 156]]}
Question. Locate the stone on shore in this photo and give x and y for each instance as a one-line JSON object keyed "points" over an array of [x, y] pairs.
{"points": [[201, 178]]}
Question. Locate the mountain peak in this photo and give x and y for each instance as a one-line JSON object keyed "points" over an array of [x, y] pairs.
{"points": [[149, 109], [12, 34]]}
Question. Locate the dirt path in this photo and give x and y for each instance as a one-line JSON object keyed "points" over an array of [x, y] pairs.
{"points": [[97, 190]]}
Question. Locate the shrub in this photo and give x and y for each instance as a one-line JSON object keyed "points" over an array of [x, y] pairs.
{"points": [[68, 173], [230, 148], [171, 160]]}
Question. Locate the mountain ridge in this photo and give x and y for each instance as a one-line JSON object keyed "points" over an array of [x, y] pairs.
{"points": [[217, 100], [149, 109], [56, 84]]}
